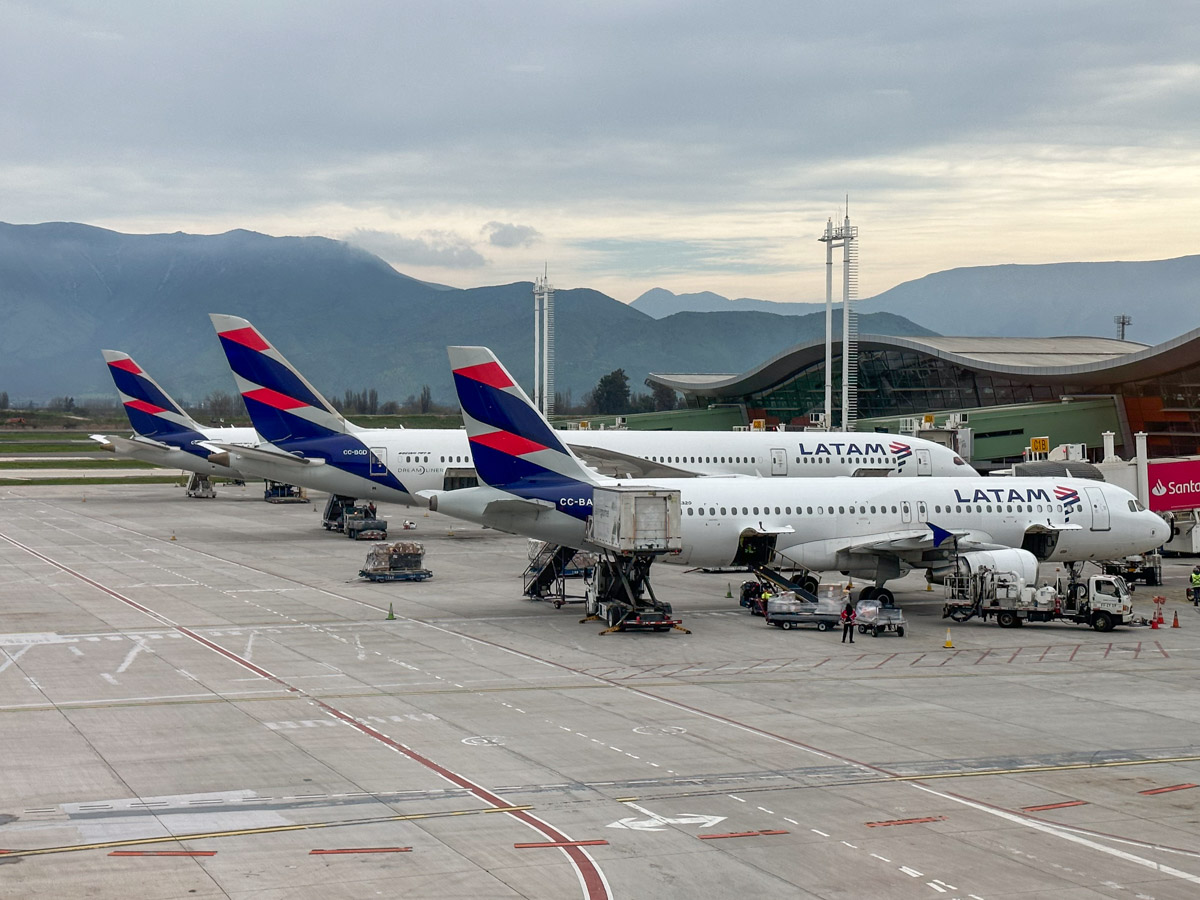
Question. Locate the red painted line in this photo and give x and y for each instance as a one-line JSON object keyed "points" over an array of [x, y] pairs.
{"points": [[1174, 787], [562, 844], [362, 850], [1014, 656], [737, 834], [1044, 652], [822, 662], [1054, 806], [1108, 650], [917, 660], [949, 658], [594, 885], [888, 660], [163, 853], [1071, 658], [919, 821], [1165, 654], [984, 656]]}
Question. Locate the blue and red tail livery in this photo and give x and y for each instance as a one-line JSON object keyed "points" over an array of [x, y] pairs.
{"points": [[289, 412], [151, 411], [281, 403], [513, 446]]}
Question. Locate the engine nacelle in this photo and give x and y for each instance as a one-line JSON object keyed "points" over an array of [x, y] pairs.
{"points": [[1022, 562]]}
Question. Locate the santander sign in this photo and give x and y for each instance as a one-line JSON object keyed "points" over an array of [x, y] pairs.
{"points": [[1174, 485]]}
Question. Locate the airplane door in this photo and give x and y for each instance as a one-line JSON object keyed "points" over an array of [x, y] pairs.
{"points": [[1100, 516], [778, 461], [922, 511], [924, 463], [378, 462], [905, 511]]}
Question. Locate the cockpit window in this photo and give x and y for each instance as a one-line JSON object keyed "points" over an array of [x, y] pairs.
{"points": [[958, 461]]}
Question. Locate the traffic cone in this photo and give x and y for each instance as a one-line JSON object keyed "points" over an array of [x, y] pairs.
{"points": [[929, 585], [1161, 620], [391, 616], [1154, 621], [728, 589], [1175, 620], [949, 645], [172, 535]]}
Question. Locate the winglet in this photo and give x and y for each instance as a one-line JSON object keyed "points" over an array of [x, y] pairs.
{"points": [[939, 534], [281, 403]]}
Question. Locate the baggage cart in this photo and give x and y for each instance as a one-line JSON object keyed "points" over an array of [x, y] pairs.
{"points": [[877, 618]]}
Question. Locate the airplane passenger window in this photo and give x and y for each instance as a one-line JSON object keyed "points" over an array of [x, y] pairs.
{"points": [[723, 511], [777, 510], [691, 512], [787, 510], [989, 508], [443, 459], [1010, 507], [808, 510], [820, 510], [756, 510], [841, 510], [872, 510]]}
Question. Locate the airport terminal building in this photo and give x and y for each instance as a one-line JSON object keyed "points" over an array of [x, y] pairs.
{"points": [[1070, 389]]}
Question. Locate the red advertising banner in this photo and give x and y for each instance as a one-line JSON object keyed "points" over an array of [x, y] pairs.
{"points": [[1174, 485]]}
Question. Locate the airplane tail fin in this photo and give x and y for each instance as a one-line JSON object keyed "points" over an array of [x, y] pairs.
{"points": [[282, 404], [150, 409], [513, 446]]}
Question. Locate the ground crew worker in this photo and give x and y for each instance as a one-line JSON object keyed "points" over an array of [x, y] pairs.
{"points": [[1196, 586], [766, 595], [848, 616]]}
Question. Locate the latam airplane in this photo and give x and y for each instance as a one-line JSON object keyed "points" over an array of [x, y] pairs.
{"points": [[874, 529], [311, 444], [163, 433]]}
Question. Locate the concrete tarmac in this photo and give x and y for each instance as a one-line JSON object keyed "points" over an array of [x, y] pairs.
{"points": [[199, 698]]}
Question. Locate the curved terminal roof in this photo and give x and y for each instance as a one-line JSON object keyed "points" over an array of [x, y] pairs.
{"points": [[1079, 361]]}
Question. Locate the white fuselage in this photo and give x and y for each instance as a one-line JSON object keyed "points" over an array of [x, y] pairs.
{"points": [[421, 459], [847, 524]]}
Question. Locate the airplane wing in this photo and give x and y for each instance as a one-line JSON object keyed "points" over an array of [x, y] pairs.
{"points": [[1053, 527], [926, 539], [121, 444], [625, 465], [272, 456]]}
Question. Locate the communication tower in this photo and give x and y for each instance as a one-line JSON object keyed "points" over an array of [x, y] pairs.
{"points": [[846, 237], [543, 345], [1122, 322]]}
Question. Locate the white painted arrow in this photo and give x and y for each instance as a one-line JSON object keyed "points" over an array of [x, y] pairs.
{"points": [[655, 821]]}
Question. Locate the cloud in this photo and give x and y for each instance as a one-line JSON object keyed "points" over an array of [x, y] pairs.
{"points": [[429, 248], [504, 234]]}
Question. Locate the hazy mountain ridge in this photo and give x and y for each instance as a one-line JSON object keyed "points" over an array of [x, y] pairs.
{"points": [[1046, 300], [346, 318]]}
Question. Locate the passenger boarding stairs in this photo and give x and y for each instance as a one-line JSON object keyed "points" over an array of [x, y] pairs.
{"points": [[544, 576]]}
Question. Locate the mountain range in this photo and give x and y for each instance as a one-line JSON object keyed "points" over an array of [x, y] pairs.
{"points": [[1161, 296], [346, 318]]}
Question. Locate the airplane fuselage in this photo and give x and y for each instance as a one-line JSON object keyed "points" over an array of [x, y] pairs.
{"points": [[850, 524], [395, 465]]}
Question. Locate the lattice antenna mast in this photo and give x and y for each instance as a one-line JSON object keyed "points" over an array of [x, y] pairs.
{"points": [[1122, 321], [543, 344], [846, 237]]}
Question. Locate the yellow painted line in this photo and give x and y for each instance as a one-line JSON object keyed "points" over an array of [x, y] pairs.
{"points": [[1067, 767], [271, 829]]}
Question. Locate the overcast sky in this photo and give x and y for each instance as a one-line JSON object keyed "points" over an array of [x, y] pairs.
{"points": [[626, 145]]}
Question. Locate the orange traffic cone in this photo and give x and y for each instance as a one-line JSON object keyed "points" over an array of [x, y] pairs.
{"points": [[1161, 620], [1154, 621], [1175, 620]]}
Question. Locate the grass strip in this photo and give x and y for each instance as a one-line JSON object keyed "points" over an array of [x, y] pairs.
{"points": [[75, 464]]}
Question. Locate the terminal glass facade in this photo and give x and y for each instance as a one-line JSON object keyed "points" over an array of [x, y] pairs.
{"points": [[896, 382]]}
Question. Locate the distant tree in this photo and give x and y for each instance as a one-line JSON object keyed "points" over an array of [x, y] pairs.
{"points": [[425, 403], [390, 408], [61, 404], [3, 399], [372, 402], [611, 394], [664, 398], [220, 406]]}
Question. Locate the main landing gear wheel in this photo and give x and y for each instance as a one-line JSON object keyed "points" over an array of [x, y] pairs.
{"points": [[884, 596], [867, 593], [810, 584]]}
